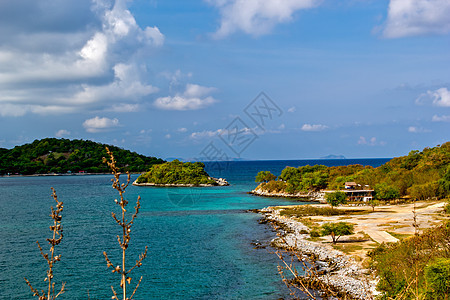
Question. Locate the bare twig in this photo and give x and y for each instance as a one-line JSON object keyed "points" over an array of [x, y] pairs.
{"points": [[123, 240], [51, 258]]}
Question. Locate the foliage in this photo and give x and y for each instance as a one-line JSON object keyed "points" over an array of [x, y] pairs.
{"points": [[265, 176], [51, 258], [53, 155], [177, 172], [437, 276], [383, 191], [336, 198], [401, 266], [420, 174], [336, 230]]}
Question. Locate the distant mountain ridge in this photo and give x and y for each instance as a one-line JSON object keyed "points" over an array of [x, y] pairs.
{"points": [[52, 155], [333, 156]]}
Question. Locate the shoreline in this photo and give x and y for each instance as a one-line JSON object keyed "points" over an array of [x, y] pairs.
{"points": [[219, 182], [339, 271], [310, 197]]}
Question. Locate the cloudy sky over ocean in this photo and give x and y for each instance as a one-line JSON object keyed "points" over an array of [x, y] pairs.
{"points": [[360, 78]]}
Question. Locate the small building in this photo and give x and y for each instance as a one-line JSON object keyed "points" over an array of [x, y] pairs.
{"points": [[350, 185]]}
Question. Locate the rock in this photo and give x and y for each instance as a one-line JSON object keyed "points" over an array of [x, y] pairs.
{"points": [[334, 268]]}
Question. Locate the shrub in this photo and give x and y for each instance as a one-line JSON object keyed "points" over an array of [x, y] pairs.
{"points": [[437, 275]]}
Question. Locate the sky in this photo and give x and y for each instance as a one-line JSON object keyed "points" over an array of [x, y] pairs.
{"points": [[219, 79]]}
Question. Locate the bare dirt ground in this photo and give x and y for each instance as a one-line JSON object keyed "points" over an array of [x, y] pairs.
{"points": [[387, 223]]}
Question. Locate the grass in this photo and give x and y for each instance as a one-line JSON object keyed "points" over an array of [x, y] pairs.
{"points": [[399, 236], [347, 248], [310, 210]]}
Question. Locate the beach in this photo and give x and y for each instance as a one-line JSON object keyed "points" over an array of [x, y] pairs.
{"points": [[347, 273]]}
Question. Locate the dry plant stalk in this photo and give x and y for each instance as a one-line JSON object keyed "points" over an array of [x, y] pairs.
{"points": [[51, 258], [126, 230]]}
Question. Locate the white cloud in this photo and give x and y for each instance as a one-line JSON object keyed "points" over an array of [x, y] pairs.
{"points": [[98, 124], [256, 17], [439, 97], [291, 109], [417, 17], [370, 142], [205, 134], [414, 129], [442, 118], [168, 136], [124, 107], [194, 97], [62, 132], [182, 129], [79, 63], [314, 127]]}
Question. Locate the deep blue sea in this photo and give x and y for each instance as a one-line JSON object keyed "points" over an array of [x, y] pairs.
{"points": [[199, 239]]}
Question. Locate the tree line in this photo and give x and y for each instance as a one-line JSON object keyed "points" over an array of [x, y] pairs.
{"points": [[51, 155], [420, 174]]}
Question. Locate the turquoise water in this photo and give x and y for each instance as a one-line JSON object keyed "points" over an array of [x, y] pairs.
{"points": [[199, 239]]}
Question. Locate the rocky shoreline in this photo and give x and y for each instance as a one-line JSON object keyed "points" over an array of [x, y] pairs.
{"points": [[219, 182], [337, 270], [311, 196]]}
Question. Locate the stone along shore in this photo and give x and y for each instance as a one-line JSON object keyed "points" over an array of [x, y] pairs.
{"points": [[339, 271]]}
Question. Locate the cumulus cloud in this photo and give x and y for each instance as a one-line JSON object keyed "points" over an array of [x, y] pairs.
{"points": [[98, 124], [62, 133], [194, 97], [314, 127], [182, 129], [417, 17], [443, 118], [83, 55], [439, 97], [256, 17]]}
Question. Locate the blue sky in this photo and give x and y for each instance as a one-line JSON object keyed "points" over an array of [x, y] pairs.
{"points": [[169, 78]]}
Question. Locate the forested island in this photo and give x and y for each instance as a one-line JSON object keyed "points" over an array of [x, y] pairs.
{"points": [[66, 156], [419, 175], [177, 173]]}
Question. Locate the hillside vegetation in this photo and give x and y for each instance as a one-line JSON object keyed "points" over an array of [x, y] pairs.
{"points": [[177, 172], [420, 174], [53, 155]]}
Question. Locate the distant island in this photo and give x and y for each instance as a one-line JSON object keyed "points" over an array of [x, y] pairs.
{"points": [[333, 156], [420, 175], [64, 156], [178, 174]]}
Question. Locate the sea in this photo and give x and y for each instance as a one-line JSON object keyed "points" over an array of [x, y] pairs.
{"points": [[201, 241]]}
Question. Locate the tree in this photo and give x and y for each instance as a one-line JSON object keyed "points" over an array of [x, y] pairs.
{"points": [[336, 198], [373, 203], [265, 176], [336, 230], [383, 191]]}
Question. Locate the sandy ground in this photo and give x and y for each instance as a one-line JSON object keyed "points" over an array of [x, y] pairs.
{"points": [[386, 224]]}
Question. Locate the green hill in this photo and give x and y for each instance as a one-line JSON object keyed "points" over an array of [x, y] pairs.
{"points": [[177, 173], [53, 155], [420, 174]]}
